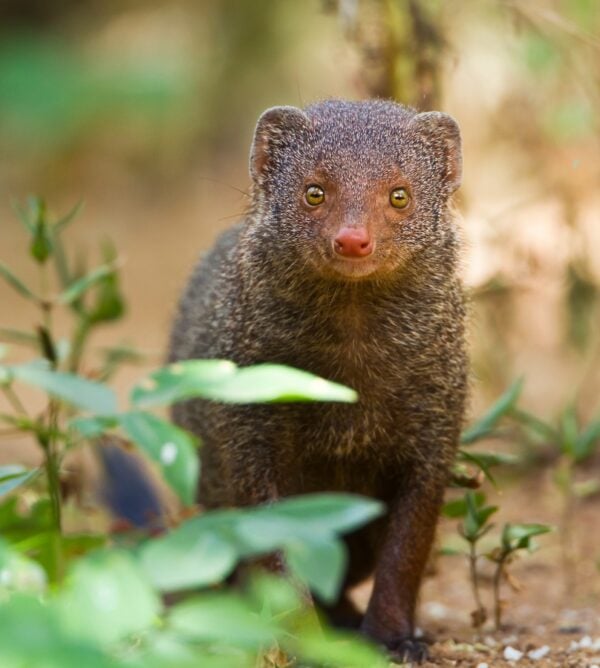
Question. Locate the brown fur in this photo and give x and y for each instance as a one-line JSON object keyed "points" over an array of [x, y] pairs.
{"points": [[391, 326]]}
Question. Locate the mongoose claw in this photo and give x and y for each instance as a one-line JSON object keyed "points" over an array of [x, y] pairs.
{"points": [[408, 650]]}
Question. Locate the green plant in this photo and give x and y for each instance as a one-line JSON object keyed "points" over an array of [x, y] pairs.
{"points": [[475, 525], [70, 599], [485, 427], [570, 445], [514, 537]]}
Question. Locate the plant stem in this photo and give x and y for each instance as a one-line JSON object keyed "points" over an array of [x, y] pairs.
{"points": [[52, 466], [566, 534], [496, 589], [79, 339], [479, 615]]}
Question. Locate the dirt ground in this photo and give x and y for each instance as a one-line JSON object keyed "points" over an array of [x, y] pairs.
{"points": [[547, 623]]}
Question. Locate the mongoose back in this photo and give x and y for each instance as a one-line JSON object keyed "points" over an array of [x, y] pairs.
{"points": [[345, 266]]}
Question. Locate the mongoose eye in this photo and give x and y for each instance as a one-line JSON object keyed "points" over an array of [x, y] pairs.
{"points": [[399, 198], [315, 195]]}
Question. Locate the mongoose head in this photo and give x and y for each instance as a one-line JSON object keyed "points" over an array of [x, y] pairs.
{"points": [[354, 190]]}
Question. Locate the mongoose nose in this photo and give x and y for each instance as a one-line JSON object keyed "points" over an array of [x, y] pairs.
{"points": [[351, 242]]}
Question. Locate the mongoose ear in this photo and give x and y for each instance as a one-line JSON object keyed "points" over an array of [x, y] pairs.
{"points": [[442, 131], [274, 126]]}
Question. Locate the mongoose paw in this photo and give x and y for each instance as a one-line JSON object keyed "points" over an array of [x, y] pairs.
{"points": [[408, 650]]}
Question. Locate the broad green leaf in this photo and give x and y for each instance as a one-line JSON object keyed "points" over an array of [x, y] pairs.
{"points": [[486, 460], [485, 513], [220, 380], [180, 381], [264, 529], [485, 426], [343, 650], [93, 427], [224, 618], [517, 536], [31, 636], [170, 447], [18, 573], [189, 556], [458, 507], [80, 392], [83, 284], [334, 513], [13, 476], [106, 598], [320, 563], [273, 594], [17, 283], [278, 383]]}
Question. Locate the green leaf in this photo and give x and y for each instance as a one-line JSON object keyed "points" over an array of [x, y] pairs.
{"points": [[335, 513], [278, 383], [107, 598], [486, 460], [41, 246], [517, 536], [172, 448], [223, 618], [476, 516], [83, 284], [31, 635], [220, 380], [194, 554], [14, 476], [84, 394], [485, 426], [61, 223], [180, 381], [343, 650], [17, 283], [18, 573], [93, 427], [458, 507], [569, 431], [320, 563], [587, 441], [538, 427], [448, 551], [23, 216]]}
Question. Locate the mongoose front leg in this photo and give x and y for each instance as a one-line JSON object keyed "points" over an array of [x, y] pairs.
{"points": [[390, 614]]}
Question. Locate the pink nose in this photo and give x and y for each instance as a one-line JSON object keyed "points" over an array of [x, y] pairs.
{"points": [[353, 242]]}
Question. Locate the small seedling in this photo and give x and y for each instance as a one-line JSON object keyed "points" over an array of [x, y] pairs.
{"points": [[514, 537], [473, 528]]}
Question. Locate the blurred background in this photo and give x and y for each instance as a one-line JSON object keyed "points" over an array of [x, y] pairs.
{"points": [[144, 109]]}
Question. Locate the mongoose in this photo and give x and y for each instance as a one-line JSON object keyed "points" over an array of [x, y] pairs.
{"points": [[345, 266]]}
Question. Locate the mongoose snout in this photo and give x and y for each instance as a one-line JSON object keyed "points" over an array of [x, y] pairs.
{"points": [[353, 243]]}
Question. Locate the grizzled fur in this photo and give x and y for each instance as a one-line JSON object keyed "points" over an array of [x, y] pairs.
{"points": [[390, 325]]}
